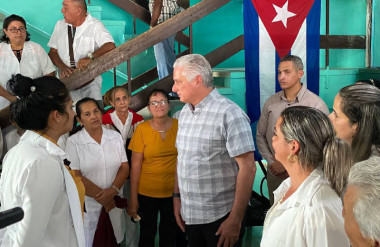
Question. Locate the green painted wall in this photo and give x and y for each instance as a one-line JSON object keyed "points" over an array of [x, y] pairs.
{"points": [[346, 17]]}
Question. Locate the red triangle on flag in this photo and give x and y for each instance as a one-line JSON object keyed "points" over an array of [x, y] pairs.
{"points": [[283, 20]]}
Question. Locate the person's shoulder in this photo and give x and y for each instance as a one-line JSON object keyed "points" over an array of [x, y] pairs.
{"points": [[136, 117], [310, 95], [106, 118]]}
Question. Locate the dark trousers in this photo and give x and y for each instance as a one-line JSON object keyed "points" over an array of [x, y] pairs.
{"points": [[149, 209], [203, 235]]}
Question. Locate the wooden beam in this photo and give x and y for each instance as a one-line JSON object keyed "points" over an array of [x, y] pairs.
{"points": [[342, 42], [368, 50], [142, 42]]}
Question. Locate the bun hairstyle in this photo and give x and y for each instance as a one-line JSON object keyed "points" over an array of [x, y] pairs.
{"points": [[36, 99], [319, 147]]}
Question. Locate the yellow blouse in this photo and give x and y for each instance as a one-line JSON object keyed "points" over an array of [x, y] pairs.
{"points": [[159, 162]]}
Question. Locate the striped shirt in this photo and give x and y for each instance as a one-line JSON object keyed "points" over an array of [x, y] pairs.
{"points": [[207, 140]]}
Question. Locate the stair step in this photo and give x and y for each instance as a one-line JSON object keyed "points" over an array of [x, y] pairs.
{"points": [[95, 11]]}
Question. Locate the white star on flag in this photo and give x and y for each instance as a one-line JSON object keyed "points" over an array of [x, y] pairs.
{"points": [[282, 14]]}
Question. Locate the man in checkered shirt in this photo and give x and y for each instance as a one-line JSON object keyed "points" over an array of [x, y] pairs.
{"points": [[162, 10], [215, 165]]}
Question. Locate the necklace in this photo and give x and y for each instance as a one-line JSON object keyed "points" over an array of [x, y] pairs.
{"points": [[18, 54]]}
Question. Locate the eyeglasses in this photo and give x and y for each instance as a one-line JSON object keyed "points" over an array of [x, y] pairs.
{"points": [[161, 102], [15, 30]]}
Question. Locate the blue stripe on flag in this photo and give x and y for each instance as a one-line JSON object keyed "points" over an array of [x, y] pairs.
{"points": [[251, 46], [312, 44]]}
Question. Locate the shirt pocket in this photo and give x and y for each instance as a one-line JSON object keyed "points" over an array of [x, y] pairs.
{"points": [[84, 45]]}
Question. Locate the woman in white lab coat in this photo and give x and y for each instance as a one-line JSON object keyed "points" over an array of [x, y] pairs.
{"points": [[34, 176], [20, 55], [98, 156], [308, 210]]}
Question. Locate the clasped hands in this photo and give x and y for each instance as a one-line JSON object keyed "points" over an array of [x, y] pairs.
{"points": [[105, 198]]}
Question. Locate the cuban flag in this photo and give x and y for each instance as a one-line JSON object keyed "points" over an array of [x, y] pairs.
{"points": [[273, 29]]}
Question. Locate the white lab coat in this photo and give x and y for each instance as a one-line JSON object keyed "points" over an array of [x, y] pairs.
{"points": [[89, 37], [35, 179], [34, 63], [100, 164], [312, 216]]}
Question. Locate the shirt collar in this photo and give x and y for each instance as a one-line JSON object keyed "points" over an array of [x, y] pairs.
{"points": [[199, 107], [42, 141], [299, 96], [304, 194], [85, 138]]}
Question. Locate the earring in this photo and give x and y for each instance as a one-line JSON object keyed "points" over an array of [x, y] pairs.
{"points": [[292, 158]]}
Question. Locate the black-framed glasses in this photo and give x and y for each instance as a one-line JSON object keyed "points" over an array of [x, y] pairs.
{"points": [[15, 30], [156, 103]]}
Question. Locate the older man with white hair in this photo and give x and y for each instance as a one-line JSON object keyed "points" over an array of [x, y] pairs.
{"points": [[362, 203]]}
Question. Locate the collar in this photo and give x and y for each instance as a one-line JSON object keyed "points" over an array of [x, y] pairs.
{"points": [[45, 142], [199, 107], [85, 138], [299, 96], [304, 194]]}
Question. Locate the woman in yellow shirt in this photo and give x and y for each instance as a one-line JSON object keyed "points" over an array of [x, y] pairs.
{"points": [[154, 159]]}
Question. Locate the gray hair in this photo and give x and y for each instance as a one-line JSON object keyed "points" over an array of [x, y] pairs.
{"points": [[82, 4], [365, 176], [193, 65], [319, 147], [361, 104], [297, 61]]}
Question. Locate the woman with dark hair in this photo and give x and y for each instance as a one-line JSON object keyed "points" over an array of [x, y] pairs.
{"points": [[20, 55], [34, 176], [98, 156], [356, 119], [154, 157], [307, 204]]}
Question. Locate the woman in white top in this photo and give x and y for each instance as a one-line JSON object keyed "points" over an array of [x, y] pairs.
{"points": [[19, 55], [307, 210], [34, 176], [98, 156], [356, 119]]}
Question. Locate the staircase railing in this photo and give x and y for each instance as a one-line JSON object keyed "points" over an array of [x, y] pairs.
{"points": [[142, 42]]}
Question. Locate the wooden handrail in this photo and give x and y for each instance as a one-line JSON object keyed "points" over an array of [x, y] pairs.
{"points": [[142, 42]]}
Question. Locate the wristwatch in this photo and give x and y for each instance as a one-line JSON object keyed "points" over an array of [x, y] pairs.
{"points": [[90, 55], [176, 195]]}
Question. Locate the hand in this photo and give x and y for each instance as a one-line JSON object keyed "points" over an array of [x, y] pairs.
{"points": [[105, 196], [65, 72], [229, 232], [110, 206], [277, 169], [83, 62], [177, 213], [132, 208]]}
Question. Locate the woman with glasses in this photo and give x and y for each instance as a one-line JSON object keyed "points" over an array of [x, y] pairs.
{"points": [[19, 55], [152, 175]]}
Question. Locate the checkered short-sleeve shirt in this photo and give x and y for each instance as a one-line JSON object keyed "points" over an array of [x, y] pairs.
{"points": [[169, 9], [207, 140]]}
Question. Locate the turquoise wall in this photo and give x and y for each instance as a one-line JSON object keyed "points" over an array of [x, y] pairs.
{"points": [[347, 17]]}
